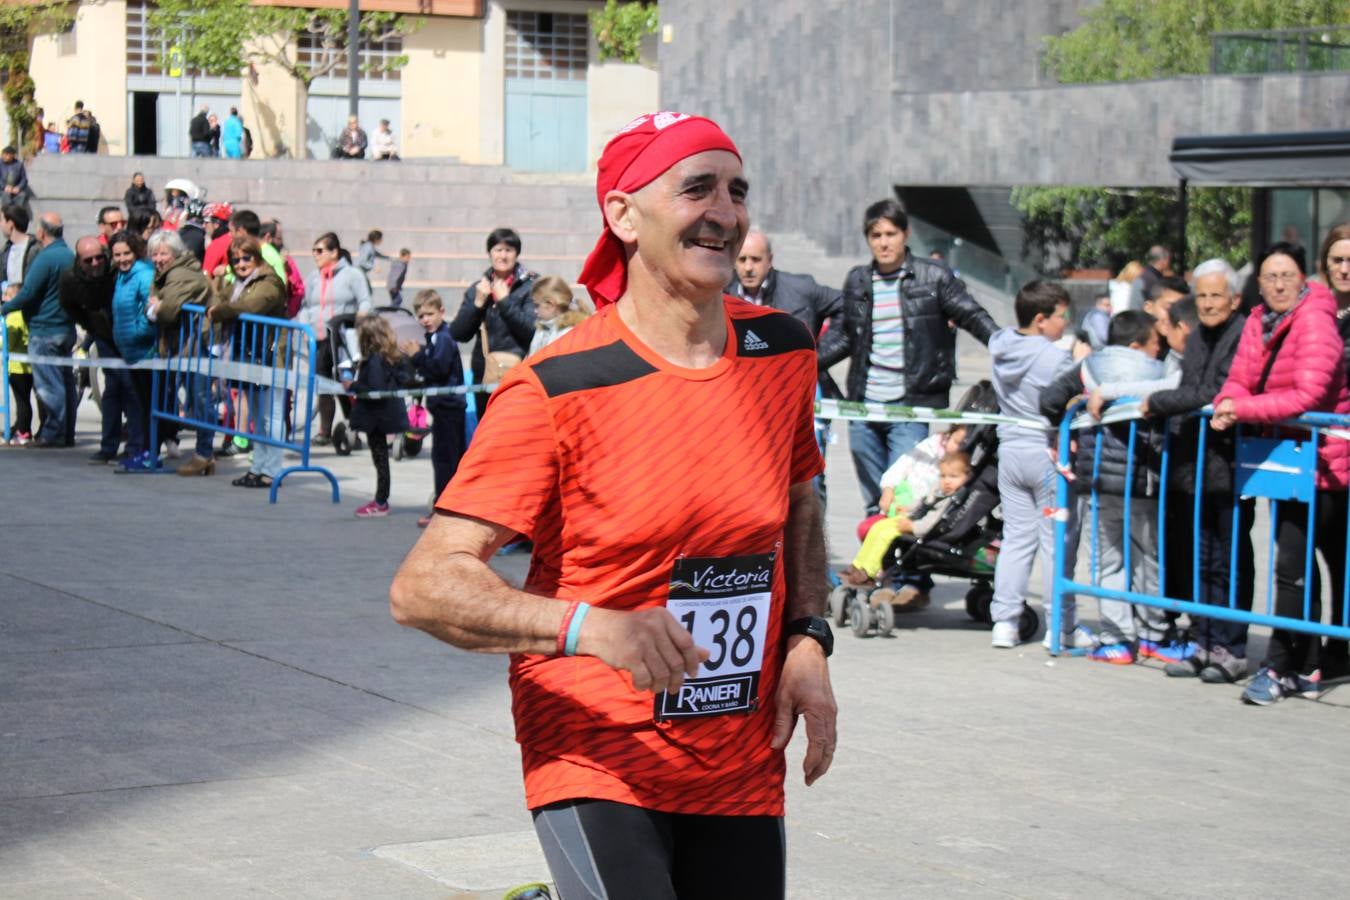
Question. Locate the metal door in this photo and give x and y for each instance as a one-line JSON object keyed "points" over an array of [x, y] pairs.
{"points": [[546, 57]]}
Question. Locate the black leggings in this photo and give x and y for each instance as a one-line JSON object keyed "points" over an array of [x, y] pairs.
{"points": [[601, 849], [379, 454], [22, 387], [1291, 652]]}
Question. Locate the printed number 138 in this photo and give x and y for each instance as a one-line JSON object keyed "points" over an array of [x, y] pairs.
{"points": [[742, 647]]}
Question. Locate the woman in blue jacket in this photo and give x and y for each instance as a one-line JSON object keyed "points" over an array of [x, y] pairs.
{"points": [[134, 334]]}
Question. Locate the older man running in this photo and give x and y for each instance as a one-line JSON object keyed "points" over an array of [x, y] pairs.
{"points": [[660, 457]]}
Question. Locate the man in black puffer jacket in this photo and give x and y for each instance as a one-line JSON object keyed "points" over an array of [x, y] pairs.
{"points": [[894, 331], [1220, 652]]}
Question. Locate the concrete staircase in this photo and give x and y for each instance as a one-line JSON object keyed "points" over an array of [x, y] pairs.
{"points": [[441, 210]]}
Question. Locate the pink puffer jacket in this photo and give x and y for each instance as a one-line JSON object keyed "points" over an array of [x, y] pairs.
{"points": [[1308, 375]]}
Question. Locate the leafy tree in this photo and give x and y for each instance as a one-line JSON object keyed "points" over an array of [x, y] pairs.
{"points": [[17, 25], [620, 27], [224, 36], [1129, 40]]}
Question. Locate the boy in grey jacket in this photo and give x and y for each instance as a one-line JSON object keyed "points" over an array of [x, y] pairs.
{"points": [[1026, 361]]}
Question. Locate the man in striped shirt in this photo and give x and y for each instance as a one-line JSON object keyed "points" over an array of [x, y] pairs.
{"points": [[894, 330]]}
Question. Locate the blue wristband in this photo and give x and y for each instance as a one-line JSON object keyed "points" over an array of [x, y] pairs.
{"points": [[574, 629]]}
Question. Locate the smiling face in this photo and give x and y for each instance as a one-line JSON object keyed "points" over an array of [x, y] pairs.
{"points": [[1281, 282], [162, 257], [688, 224], [887, 241], [324, 256], [244, 264], [123, 257], [1213, 301]]}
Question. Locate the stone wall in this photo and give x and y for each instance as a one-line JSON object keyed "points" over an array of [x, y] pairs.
{"points": [[830, 117]]}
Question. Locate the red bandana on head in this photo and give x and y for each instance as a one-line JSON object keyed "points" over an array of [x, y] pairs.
{"points": [[639, 154]]}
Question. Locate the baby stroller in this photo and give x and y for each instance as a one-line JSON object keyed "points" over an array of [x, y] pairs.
{"points": [[964, 543], [347, 356]]}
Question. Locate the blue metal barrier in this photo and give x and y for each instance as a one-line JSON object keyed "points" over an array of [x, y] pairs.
{"points": [[1275, 469], [265, 360], [4, 380]]}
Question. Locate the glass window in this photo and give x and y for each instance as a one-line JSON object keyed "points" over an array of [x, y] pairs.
{"points": [[549, 46], [1291, 216]]}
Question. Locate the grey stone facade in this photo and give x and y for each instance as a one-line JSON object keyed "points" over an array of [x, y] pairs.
{"points": [[833, 104]]}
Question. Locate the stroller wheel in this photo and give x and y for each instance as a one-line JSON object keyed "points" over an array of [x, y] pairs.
{"points": [[836, 605], [342, 444], [860, 617], [1028, 624], [978, 600], [884, 614], [398, 447]]}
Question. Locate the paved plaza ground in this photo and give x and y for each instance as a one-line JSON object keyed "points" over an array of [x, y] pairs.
{"points": [[202, 695]]}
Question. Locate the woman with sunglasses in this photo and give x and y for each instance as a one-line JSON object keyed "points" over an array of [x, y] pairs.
{"points": [[1289, 362], [334, 288], [258, 291]]}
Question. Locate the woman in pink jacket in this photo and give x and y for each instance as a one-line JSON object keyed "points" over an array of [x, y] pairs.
{"points": [[1290, 362]]}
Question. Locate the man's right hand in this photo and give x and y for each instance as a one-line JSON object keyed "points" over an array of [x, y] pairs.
{"points": [[647, 643]]}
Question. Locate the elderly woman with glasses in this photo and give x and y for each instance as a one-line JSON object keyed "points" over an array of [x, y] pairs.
{"points": [[258, 291], [1289, 362], [334, 288], [179, 281]]}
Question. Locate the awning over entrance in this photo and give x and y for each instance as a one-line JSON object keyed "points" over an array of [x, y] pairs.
{"points": [[1305, 159]]}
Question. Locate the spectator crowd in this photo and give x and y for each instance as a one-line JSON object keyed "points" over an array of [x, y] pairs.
{"points": [[1202, 353]]}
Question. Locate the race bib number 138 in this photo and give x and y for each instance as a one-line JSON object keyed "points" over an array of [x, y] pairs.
{"points": [[724, 604]]}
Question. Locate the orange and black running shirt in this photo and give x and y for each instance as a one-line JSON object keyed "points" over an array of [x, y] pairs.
{"points": [[616, 463]]}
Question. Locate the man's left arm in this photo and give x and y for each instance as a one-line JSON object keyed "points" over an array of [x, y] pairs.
{"points": [[804, 687], [963, 309]]}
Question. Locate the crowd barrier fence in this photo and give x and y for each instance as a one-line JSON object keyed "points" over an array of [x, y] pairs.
{"points": [[5, 400], [263, 361], [1277, 469]]}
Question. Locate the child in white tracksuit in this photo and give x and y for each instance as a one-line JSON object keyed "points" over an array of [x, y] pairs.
{"points": [[1025, 361]]}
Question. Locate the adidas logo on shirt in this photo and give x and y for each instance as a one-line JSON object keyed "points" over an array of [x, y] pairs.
{"points": [[753, 342]]}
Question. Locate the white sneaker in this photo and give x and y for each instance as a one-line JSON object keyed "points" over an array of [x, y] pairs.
{"points": [[1081, 638], [1005, 635], [171, 450]]}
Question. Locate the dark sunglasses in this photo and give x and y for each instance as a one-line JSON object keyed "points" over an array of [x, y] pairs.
{"points": [[320, 250], [244, 257]]}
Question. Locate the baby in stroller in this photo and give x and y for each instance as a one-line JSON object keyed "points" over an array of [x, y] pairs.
{"points": [[915, 493], [953, 532]]}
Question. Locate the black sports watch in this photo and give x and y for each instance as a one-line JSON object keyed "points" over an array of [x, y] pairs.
{"points": [[813, 627]]}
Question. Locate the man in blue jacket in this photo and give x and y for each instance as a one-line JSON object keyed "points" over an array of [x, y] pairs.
{"points": [[50, 333]]}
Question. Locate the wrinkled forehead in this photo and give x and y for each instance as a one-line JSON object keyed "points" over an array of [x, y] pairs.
{"points": [[1213, 283], [707, 169]]}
